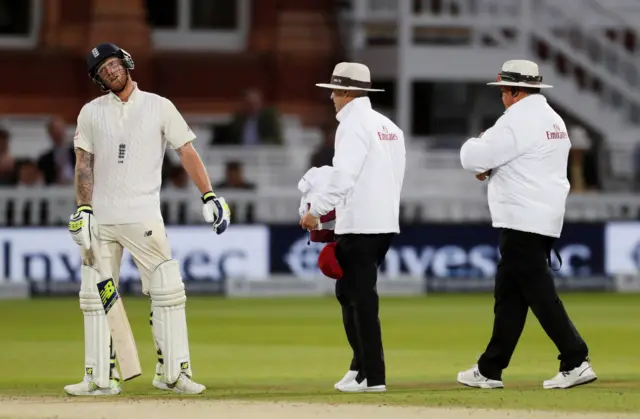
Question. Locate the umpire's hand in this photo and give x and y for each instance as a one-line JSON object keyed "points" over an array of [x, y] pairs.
{"points": [[309, 222], [482, 176]]}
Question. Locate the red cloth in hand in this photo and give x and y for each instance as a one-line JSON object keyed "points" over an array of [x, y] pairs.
{"points": [[328, 263]]}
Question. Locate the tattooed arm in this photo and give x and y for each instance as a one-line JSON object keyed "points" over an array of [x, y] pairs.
{"points": [[84, 177]]}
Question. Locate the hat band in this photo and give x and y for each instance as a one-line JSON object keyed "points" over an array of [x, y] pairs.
{"points": [[510, 76], [349, 82]]}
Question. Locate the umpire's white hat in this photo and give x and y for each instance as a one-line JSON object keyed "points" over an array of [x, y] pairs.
{"points": [[350, 76], [520, 73]]}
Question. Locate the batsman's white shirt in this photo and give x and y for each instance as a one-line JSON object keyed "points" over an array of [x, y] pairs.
{"points": [[128, 142], [527, 151], [369, 165]]}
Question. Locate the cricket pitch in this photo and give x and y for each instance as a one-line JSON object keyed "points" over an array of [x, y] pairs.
{"points": [[65, 408]]}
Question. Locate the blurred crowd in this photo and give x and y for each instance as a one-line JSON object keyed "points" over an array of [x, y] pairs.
{"points": [[254, 124], [54, 167]]}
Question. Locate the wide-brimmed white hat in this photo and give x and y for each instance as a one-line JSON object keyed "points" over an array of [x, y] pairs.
{"points": [[520, 73], [350, 76]]}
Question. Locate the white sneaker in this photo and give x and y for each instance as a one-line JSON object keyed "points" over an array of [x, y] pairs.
{"points": [[158, 379], [473, 378], [158, 382], [354, 387], [349, 376], [185, 385], [87, 387], [583, 374]]}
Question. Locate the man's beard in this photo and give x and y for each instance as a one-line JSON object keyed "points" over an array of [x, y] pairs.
{"points": [[116, 91]]}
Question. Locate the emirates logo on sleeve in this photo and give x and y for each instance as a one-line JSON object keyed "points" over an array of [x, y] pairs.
{"points": [[385, 135], [557, 134]]}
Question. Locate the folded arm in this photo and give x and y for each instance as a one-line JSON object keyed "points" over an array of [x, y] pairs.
{"points": [[496, 147], [352, 146], [83, 177], [192, 164]]}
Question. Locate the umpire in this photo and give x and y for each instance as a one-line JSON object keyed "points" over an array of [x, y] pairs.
{"points": [[525, 157], [364, 188]]}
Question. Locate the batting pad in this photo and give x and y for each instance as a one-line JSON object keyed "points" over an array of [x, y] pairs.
{"points": [[97, 339], [169, 319]]}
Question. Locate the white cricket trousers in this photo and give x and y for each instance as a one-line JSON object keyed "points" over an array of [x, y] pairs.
{"points": [[147, 242]]}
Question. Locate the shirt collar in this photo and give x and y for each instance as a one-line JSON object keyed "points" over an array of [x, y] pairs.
{"points": [[132, 97], [527, 101], [357, 103]]}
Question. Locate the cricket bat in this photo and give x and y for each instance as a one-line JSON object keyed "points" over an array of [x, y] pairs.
{"points": [[121, 334]]}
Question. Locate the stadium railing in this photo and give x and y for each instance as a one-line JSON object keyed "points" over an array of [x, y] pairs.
{"points": [[53, 205]]}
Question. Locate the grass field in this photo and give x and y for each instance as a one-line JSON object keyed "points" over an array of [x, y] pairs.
{"points": [[294, 350]]}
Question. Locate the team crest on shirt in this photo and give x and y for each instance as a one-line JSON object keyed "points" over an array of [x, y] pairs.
{"points": [[122, 149]]}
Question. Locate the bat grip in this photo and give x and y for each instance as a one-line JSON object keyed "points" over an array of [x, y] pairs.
{"points": [[97, 255]]}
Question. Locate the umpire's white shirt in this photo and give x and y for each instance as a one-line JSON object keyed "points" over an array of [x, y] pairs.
{"points": [[366, 182], [128, 141], [527, 150]]}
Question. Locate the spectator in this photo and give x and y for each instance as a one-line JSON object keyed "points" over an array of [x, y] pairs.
{"points": [[582, 170], [7, 163], [177, 211], [234, 178], [57, 165], [28, 174], [179, 179], [255, 124], [323, 156]]}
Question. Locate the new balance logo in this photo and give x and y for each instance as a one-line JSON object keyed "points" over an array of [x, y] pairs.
{"points": [[148, 233]]}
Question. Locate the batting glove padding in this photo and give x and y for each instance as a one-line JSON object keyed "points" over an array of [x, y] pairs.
{"points": [[82, 225], [216, 211]]}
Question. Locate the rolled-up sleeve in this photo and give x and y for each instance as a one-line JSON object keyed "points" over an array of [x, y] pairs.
{"points": [[352, 147], [496, 147]]}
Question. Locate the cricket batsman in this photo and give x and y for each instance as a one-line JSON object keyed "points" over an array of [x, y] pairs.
{"points": [[120, 143]]}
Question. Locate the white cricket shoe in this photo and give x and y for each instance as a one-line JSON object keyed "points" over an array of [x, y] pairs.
{"points": [[87, 387], [158, 379], [349, 376], [354, 387], [473, 378], [583, 374], [185, 385]]}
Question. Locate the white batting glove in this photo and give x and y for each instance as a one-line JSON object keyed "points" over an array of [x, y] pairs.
{"points": [[216, 211], [82, 225]]}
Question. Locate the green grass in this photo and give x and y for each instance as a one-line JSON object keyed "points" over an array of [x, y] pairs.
{"points": [[294, 349]]}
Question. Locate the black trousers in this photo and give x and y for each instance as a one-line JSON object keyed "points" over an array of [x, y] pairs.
{"points": [[359, 256], [523, 281]]}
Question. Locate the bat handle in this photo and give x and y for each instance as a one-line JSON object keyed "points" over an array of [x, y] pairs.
{"points": [[97, 255]]}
